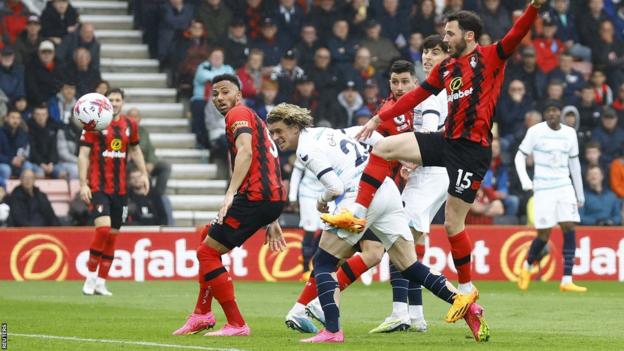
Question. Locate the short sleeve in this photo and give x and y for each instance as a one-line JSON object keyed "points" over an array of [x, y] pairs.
{"points": [[88, 138], [134, 132], [239, 120], [527, 144], [313, 159]]}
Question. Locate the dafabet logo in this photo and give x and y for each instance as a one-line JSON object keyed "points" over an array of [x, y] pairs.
{"points": [[39, 257]]}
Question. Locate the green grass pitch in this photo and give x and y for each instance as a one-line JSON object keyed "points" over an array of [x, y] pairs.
{"points": [[541, 319]]}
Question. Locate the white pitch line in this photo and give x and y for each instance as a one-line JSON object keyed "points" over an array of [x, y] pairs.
{"points": [[124, 342]]}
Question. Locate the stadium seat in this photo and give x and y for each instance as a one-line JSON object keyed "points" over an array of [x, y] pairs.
{"points": [[74, 188], [56, 189], [61, 209]]}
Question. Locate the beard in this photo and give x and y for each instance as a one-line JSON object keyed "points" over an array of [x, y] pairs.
{"points": [[459, 49]]}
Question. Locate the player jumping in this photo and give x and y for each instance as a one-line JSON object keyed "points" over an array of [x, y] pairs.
{"points": [[338, 162], [102, 162], [254, 199], [472, 77], [555, 151]]}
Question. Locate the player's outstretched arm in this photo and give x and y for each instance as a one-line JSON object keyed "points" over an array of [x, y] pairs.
{"points": [[83, 171], [512, 39], [242, 163]]}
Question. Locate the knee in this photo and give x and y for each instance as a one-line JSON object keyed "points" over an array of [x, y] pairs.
{"points": [[381, 149], [372, 257], [452, 226], [324, 261]]}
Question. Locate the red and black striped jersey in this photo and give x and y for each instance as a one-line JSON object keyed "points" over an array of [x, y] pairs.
{"points": [[263, 180], [109, 154], [397, 125], [472, 82]]}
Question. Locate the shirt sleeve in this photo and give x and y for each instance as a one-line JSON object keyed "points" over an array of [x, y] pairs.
{"points": [[526, 146], [134, 134], [512, 39], [88, 138], [574, 148], [239, 121], [431, 114]]}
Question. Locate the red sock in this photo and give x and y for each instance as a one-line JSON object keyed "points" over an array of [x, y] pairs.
{"points": [[204, 301], [374, 174], [309, 292], [97, 246], [108, 255], [217, 278], [461, 248], [420, 251], [350, 271]]}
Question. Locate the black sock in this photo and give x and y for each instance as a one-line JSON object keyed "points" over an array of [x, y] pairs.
{"points": [[324, 266], [414, 294], [419, 273], [399, 285], [307, 249], [569, 248], [536, 247]]}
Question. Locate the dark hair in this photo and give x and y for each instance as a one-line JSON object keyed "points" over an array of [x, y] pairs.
{"points": [[13, 110], [432, 41], [42, 105], [402, 66], [117, 91], [468, 21], [592, 145], [229, 77]]}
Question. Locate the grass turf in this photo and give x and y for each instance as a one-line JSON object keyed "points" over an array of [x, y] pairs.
{"points": [[542, 318]]}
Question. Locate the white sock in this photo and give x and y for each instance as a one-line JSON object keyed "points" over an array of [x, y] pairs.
{"points": [[465, 288], [100, 281], [527, 265], [399, 309], [298, 308], [359, 211], [566, 279], [416, 312]]}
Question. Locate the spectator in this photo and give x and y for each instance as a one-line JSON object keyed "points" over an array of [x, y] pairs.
{"points": [[215, 16], [361, 70], [571, 118], [144, 208], [361, 116], [235, 44], [30, 207], [324, 16], [286, 73], [253, 12], [191, 50], [350, 101], [341, 46], [289, 21], [425, 19], [3, 103], [83, 72], [43, 148], [13, 19], [573, 79], [28, 41], [61, 105], [413, 53], [5, 210], [592, 156], [44, 75], [266, 100], [616, 175], [609, 135], [84, 37], [496, 182], [529, 73], [307, 46], [589, 111], [158, 170], [371, 96], [269, 43], [513, 141], [483, 210], [215, 123], [511, 111], [102, 87], [21, 105], [250, 75], [548, 48], [67, 143], [324, 75], [618, 104], [57, 19], [603, 95], [175, 17], [149, 23], [566, 29], [381, 49], [589, 22], [496, 19], [602, 207], [394, 23], [356, 12], [306, 96], [206, 71], [554, 92], [608, 53], [14, 144], [12, 81]]}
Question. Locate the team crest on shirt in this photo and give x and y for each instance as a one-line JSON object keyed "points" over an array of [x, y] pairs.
{"points": [[100, 208], [473, 62]]}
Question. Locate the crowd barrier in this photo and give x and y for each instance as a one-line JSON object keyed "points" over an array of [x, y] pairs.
{"points": [[60, 253]]}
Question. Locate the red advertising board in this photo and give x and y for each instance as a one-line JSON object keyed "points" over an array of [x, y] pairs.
{"points": [[61, 254]]}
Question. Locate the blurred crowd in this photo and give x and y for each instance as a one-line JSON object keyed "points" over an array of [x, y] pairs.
{"points": [[332, 57]]}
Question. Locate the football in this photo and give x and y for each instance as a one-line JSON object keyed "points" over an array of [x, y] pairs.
{"points": [[94, 111]]}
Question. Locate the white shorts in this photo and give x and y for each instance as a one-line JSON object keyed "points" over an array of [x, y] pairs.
{"points": [[554, 206], [385, 216], [425, 192], [309, 217]]}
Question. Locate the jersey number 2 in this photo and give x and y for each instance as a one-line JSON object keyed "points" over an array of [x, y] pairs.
{"points": [[359, 158]]}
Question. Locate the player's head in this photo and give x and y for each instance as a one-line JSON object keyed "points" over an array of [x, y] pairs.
{"points": [[402, 77], [226, 92], [116, 97], [285, 122], [462, 30], [552, 114], [435, 50]]}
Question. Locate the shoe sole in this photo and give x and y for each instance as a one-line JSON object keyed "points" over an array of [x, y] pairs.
{"points": [[313, 316], [484, 331], [294, 326], [399, 328], [197, 331]]}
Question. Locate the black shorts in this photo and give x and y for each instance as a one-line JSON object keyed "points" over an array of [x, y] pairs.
{"points": [[466, 162], [110, 205], [368, 235], [244, 219]]}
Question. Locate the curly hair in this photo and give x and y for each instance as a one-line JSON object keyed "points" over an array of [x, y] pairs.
{"points": [[291, 115]]}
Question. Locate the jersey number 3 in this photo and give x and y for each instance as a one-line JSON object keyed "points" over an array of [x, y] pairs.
{"points": [[359, 158], [273, 148]]}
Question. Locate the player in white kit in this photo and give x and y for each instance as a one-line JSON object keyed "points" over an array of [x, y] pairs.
{"points": [[555, 151], [338, 162]]}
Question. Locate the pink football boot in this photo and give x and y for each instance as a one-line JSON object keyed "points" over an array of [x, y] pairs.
{"points": [[477, 324], [230, 330], [325, 336], [196, 323]]}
